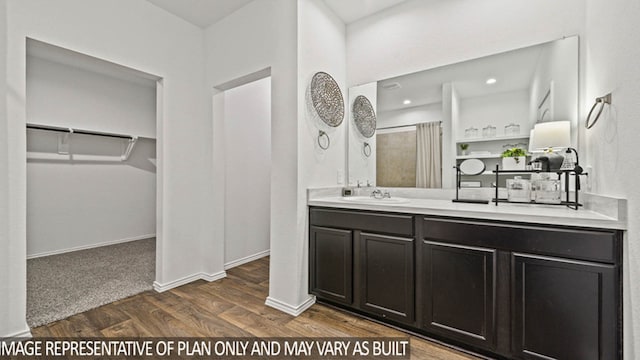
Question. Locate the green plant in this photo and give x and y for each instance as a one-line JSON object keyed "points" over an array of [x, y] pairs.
{"points": [[515, 152], [464, 147]]}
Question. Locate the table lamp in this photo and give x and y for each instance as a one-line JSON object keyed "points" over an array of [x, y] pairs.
{"points": [[548, 137]]}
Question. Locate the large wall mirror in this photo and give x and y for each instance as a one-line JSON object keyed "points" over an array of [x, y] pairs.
{"points": [[428, 121]]}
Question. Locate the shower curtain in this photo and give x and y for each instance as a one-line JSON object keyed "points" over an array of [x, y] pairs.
{"points": [[429, 156]]}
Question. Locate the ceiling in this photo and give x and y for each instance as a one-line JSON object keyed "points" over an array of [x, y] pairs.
{"points": [[204, 13], [353, 10], [55, 54], [513, 70]]}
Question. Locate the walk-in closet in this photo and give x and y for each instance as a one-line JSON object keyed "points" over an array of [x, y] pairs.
{"points": [[91, 181]]}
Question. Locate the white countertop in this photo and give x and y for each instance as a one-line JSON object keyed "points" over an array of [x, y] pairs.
{"points": [[527, 213]]}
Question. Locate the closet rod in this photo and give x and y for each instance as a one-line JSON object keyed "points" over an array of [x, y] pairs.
{"points": [[77, 131]]}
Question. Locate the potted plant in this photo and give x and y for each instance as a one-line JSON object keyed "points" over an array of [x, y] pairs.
{"points": [[514, 159], [463, 149]]}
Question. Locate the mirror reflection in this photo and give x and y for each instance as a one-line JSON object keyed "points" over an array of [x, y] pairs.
{"points": [[429, 121]]}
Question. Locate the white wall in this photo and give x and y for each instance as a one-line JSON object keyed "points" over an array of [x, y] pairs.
{"points": [[141, 36], [450, 121], [410, 116], [73, 204], [360, 167], [497, 110], [294, 39], [264, 36], [13, 290], [321, 47], [247, 124], [558, 66], [80, 204], [419, 34], [63, 95], [271, 42], [611, 55]]}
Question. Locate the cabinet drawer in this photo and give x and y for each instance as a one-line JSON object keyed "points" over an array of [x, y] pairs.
{"points": [[581, 244], [374, 222]]}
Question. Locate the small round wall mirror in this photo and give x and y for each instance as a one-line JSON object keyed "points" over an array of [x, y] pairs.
{"points": [[472, 167]]}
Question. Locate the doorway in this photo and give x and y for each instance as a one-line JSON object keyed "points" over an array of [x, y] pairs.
{"points": [[247, 169], [91, 181]]}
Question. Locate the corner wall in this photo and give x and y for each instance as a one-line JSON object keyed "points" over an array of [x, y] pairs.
{"points": [[247, 116], [321, 47], [13, 289], [295, 39], [264, 36], [611, 54]]}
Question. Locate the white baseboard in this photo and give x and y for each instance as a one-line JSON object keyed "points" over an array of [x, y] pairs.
{"points": [[246, 259], [290, 309], [187, 279], [92, 246], [25, 334], [213, 277]]}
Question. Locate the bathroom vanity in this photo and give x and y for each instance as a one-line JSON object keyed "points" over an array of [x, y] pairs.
{"points": [[492, 280]]}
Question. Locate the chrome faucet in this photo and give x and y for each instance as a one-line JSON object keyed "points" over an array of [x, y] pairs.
{"points": [[379, 194]]}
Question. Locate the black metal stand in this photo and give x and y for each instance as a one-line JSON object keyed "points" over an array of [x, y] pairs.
{"points": [[468, 201], [571, 204]]}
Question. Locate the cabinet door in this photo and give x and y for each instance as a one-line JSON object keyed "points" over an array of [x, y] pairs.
{"points": [[387, 285], [459, 292], [564, 309], [330, 264]]}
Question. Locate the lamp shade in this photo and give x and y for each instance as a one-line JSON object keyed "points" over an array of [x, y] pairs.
{"points": [[549, 135], [532, 141]]}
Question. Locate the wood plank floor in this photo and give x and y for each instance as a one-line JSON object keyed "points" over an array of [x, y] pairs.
{"points": [[231, 307]]}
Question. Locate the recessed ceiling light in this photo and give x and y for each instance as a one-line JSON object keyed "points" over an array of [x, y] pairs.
{"points": [[491, 81], [407, 102], [391, 86]]}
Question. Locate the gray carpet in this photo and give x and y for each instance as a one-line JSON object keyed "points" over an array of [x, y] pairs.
{"points": [[62, 285]]}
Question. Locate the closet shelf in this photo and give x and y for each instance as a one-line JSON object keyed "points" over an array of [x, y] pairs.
{"points": [[68, 131]]}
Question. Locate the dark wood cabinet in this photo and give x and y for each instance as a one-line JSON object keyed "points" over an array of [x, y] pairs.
{"points": [[458, 292], [386, 277], [331, 264], [564, 309], [517, 291]]}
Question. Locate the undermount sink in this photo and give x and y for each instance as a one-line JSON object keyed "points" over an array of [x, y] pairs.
{"points": [[374, 201]]}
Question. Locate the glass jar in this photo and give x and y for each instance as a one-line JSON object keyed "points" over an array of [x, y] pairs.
{"points": [[489, 131], [518, 190], [512, 129], [471, 132], [548, 191]]}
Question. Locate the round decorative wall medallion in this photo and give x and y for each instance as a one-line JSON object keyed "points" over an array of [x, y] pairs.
{"points": [[364, 116], [327, 99]]}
